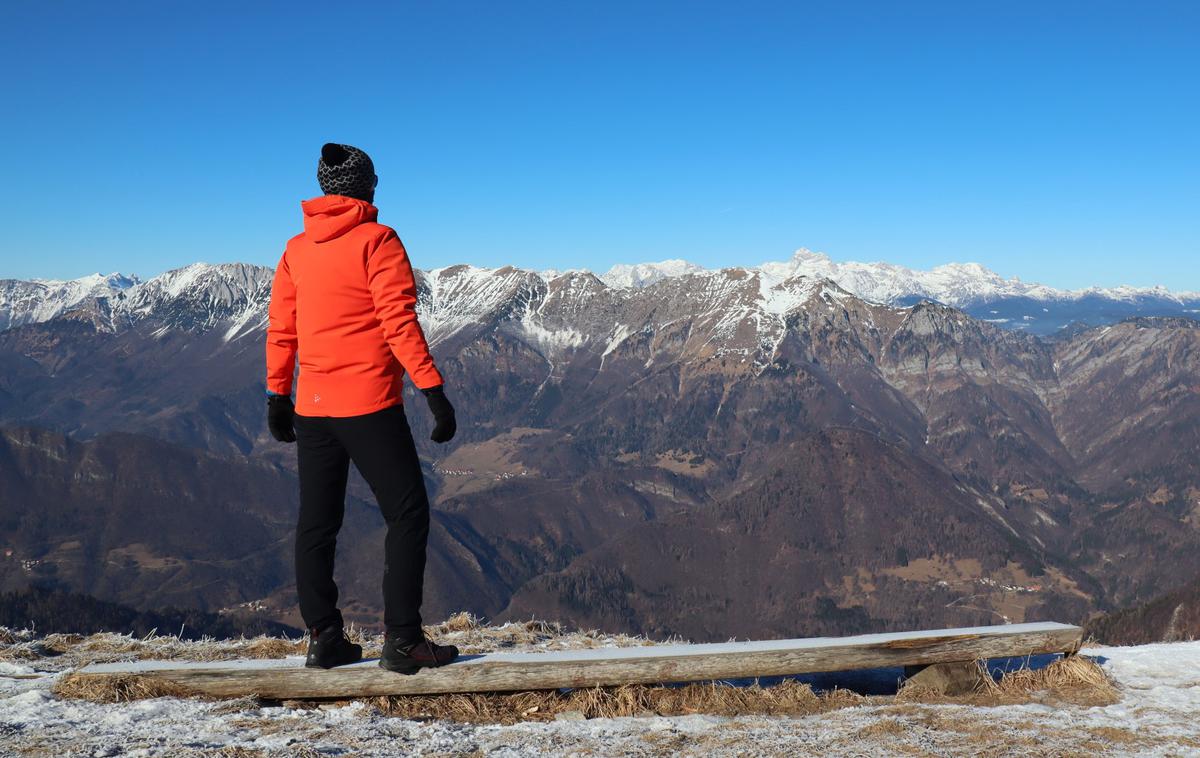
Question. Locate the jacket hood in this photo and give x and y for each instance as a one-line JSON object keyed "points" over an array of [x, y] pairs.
{"points": [[330, 216]]}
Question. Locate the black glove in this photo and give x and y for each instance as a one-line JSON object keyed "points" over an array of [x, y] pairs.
{"points": [[280, 418], [443, 414]]}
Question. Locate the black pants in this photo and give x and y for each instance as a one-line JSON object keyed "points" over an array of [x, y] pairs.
{"points": [[381, 446]]}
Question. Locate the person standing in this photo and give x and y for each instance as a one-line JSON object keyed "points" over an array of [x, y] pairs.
{"points": [[343, 304]]}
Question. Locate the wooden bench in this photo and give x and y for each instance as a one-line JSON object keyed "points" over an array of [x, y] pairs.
{"points": [[651, 664]]}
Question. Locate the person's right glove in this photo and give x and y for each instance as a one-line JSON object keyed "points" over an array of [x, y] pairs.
{"points": [[444, 425], [281, 415]]}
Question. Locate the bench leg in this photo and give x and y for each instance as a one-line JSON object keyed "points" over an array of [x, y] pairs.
{"points": [[951, 679]]}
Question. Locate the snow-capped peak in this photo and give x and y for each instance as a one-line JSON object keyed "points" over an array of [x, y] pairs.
{"points": [[224, 282], [645, 274], [203, 295], [92, 283]]}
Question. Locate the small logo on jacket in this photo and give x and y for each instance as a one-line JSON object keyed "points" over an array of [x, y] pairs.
{"points": [[316, 398]]}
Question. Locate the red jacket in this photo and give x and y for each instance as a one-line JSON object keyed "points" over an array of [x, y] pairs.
{"points": [[344, 298]]}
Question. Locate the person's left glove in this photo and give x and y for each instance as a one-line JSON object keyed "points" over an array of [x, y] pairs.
{"points": [[281, 417], [444, 424]]}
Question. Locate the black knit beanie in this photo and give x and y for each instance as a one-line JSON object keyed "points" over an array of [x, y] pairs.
{"points": [[346, 170]]}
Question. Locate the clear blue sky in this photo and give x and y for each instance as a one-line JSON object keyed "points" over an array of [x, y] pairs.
{"points": [[1055, 141]]}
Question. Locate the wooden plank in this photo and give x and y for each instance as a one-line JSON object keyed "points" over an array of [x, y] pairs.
{"points": [[503, 672]]}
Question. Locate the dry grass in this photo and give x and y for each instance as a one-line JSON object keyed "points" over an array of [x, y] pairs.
{"points": [[459, 622], [236, 705], [72, 650], [914, 693], [787, 699], [18, 654], [115, 688], [1075, 679], [888, 727], [57, 644], [238, 751], [1114, 734], [472, 635]]}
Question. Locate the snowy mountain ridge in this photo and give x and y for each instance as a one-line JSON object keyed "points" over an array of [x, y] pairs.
{"points": [[195, 296], [235, 295], [956, 284], [38, 300]]}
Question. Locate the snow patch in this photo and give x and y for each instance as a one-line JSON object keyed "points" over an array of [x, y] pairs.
{"points": [[561, 338], [619, 335]]}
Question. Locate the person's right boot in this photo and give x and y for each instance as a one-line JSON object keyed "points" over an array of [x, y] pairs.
{"points": [[409, 657], [331, 647]]}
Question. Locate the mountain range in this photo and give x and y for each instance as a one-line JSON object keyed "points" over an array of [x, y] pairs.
{"points": [[787, 449]]}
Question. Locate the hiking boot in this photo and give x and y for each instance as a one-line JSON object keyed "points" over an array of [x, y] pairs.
{"points": [[408, 657], [331, 647]]}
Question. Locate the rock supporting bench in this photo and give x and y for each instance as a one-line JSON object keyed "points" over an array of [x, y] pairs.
{"points": [[652, 664]]}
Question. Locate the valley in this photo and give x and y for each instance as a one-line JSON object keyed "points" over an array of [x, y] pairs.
{"points": [[705, 453]]}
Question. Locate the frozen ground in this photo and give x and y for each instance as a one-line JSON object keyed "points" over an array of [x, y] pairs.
{"points": [[1158, 714]]}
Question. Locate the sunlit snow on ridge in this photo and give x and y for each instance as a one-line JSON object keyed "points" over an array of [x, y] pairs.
{"points": [[235, 296], [955, 284]]}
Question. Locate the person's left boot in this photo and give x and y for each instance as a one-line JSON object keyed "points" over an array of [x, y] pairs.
{"points": [[331, 647], [410, 656]]}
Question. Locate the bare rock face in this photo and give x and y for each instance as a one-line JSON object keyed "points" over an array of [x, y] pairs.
{"points": [[739, 452]]}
